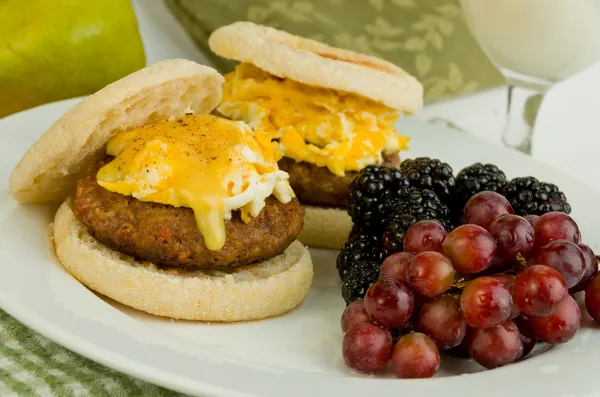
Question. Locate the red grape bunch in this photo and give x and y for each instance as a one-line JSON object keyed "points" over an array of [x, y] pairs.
{"points": [[491, 288]]}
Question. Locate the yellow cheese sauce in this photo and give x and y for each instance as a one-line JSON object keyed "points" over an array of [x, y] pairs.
{"points": [[340, 131], [204, 162]]}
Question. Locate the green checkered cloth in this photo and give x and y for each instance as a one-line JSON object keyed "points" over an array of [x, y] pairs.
{"points": [[32, 365], [427, 38]]}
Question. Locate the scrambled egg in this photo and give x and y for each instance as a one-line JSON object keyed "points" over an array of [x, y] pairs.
{"points": [[207, 163], [340, 131]]}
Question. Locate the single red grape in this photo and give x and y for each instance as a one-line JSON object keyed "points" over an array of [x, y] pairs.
{"points": [[390, 303], [559, 327], [471, 248], [508, 280], [485, 302], [592, 298], [564, 256], [367, 347], [485, 207], [354, 313], [430, 274], [425, 236], [514, 235], [442, 321], [415, 356], [555, 226], [539, 290], [532, 219], [395, 265], [528, 338], [496, 346], [591, 268]]}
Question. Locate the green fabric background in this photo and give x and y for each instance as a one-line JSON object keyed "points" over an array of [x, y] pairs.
{"points": [[428, 38]]}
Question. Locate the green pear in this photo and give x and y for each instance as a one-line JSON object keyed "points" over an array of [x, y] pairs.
{"points": [[57, 49]]}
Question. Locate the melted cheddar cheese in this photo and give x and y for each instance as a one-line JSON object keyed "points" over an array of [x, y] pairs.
{"points": [[340, 131], [204, 162]]}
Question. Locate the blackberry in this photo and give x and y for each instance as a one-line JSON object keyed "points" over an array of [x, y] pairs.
{"points": [[394, 229], [423, 205], [474, 179], [529, 196], [359, 278], [370, 189], [432, 174], [359, 247]]}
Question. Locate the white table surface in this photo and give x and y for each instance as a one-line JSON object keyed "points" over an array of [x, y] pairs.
{"points": [[567, 133]]}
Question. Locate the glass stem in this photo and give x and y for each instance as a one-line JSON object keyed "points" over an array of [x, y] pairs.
{"points": [[522, 108]]}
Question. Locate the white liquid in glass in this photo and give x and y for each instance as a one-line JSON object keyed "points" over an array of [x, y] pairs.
{"points": [[546, 39]]}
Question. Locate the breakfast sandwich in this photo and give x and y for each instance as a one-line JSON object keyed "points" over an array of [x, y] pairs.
{"points": [[331, 111], [167, 208]]}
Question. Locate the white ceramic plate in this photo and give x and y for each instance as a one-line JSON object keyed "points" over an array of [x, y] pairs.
{"points": [[293, 355]]}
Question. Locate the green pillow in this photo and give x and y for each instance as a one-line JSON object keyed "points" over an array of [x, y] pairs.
{"points": [[428, 38]]}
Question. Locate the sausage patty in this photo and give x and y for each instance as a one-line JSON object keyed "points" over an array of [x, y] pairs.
{"points": [[169, 236], [318, 186]]}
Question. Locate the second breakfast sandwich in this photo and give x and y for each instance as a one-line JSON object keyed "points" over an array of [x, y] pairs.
{"points": [[332, 111]]}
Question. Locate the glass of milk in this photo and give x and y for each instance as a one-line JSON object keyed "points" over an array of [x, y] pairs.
{"points": [[534, 43]]}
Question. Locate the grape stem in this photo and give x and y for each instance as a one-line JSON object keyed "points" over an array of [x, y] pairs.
{"points": [[521, 261], [460, 284]]}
